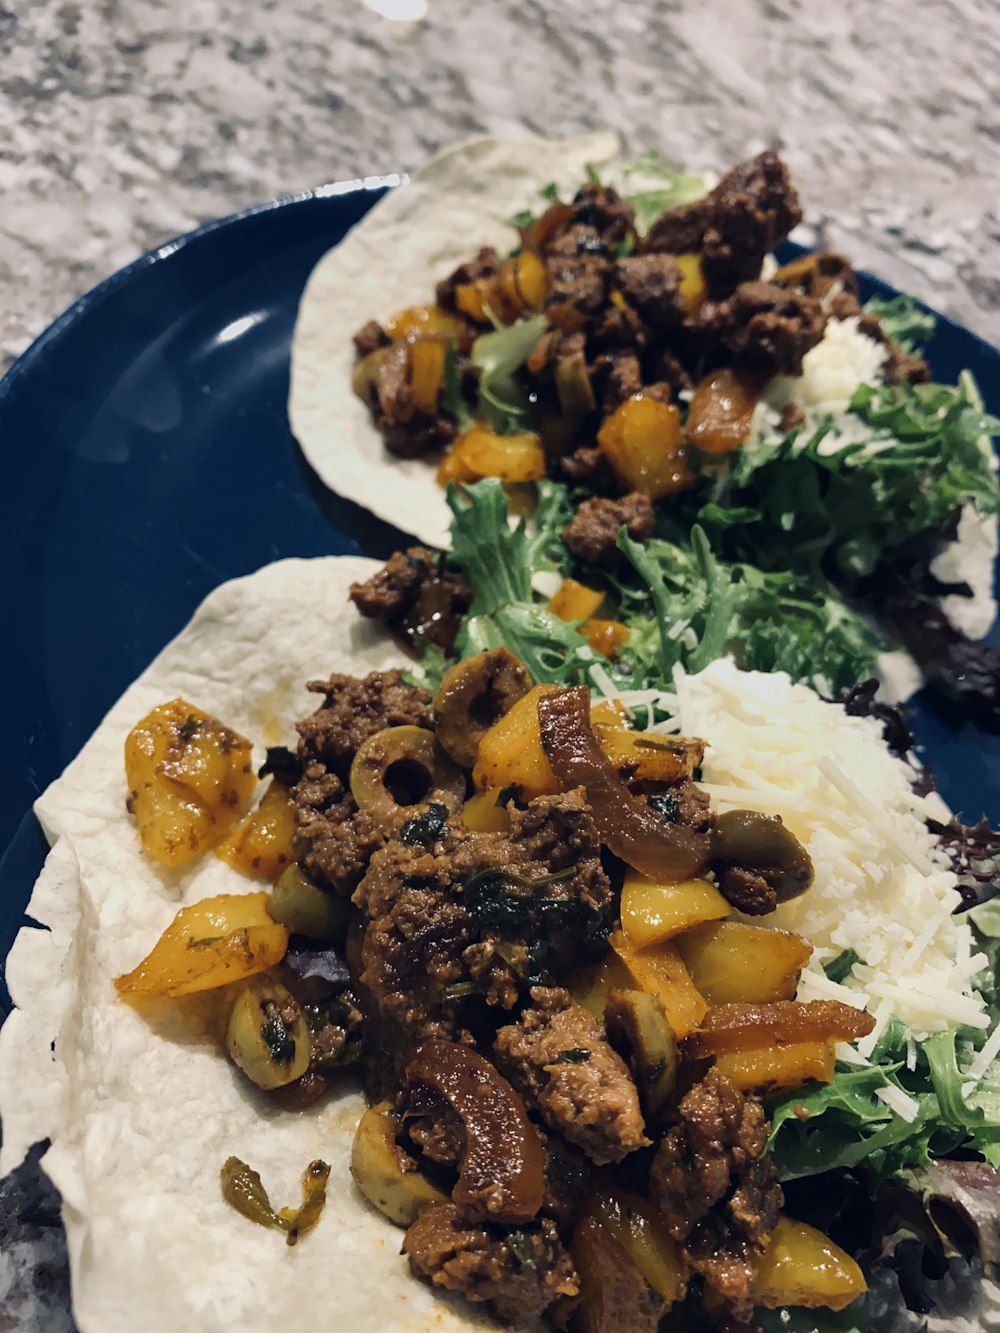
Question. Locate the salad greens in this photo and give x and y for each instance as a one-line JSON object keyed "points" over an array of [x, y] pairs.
{"points": [[844, 1124], [648, 200], [831, 499], [904, 320], [681, 603]]}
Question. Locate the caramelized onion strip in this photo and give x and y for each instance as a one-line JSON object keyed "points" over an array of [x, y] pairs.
{"points": [[645, 839]]}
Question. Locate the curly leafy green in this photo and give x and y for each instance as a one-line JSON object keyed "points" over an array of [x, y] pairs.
{"points": [[844, 495], [690, 608], [500, 562], [906, 323], [845, 1123]]}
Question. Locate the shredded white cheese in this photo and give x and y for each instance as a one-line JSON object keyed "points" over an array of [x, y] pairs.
{"points": [[897, 1100], [880, 885]]}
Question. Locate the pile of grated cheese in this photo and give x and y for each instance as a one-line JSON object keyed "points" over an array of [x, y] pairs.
{"points": [[882, 886]]}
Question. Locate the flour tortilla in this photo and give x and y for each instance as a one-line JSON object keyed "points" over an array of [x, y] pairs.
{"points": [[392, 259], [142, 1112]]}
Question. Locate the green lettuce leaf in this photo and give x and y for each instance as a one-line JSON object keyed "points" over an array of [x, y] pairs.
{"points": [[499, 562], [905, 322], [650, 200], [688, 606], [913, 459]]}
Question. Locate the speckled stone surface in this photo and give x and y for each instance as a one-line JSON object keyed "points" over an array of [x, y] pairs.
{"points": [[127, 121], [124, 122]]}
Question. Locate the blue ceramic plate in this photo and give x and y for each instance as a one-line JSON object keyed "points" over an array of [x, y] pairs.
{"points": [[148, 459]]}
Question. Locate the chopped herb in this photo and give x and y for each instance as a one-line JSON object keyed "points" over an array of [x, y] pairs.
{"points": [[425, 828], [590, 171], [666, 804], [188, 729], [283, 764], [655, 1072], [575, 1055], [504, 900], [524, 218], [625, 247], [277, 1038], [550, 193], [522, 1251], [840, 967], [461, 990]]}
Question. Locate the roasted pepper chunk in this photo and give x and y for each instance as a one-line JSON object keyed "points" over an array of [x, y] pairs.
{"points": [[188, 777]]}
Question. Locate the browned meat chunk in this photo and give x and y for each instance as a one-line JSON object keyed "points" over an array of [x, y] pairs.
{"points": [[353, 709], [406, 430], [588, 466], [440, 1135], [428, 936], [747, 891], [620, 326], [578, 272], [604, 209], [651, 283], [592, 531], [415, 595], [752, 208], [902, 366], [558, 1059], [622, 375], [830, 278], [393, 590], [485, 265], [417, 436], [520, 1274], [370, 337], [767, 328], [411, 956], [715, 1185], [334, 840]]}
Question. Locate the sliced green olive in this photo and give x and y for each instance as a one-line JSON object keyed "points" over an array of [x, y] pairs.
{"points": [[366, 372], [763, 844], [404, 766], [472, 696], [375, 1165], [639, 1031], [297, 903], [268, 1036], [576, 393]]}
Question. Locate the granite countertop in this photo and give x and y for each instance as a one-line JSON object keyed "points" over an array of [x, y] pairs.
{"points": [[128, 121]]}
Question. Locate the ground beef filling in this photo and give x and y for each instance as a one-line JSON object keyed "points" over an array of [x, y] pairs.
{"points": [[430, 942], [520, 1273], [416, 597], [558, 1059], [629, 315], [355, 708], [334, 840], [592, 532], [714, 1184]]}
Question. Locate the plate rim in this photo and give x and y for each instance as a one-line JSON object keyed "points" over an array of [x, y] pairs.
{"points": [[95, 296]]}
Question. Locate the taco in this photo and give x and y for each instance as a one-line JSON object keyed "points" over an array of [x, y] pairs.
{"points": [[632, 341], [578, 982], [391, 259]]}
